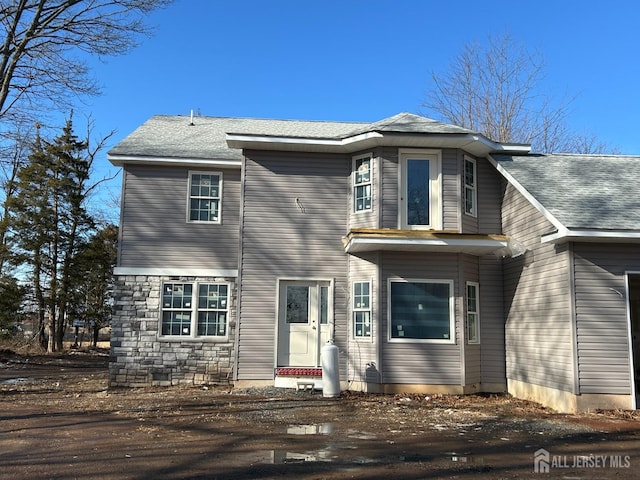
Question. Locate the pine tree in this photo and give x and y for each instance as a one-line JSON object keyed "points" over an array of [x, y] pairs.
{"points": [[48, 222]]}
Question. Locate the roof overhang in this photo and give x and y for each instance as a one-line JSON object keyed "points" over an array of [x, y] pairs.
{"points": [[369, 240], [121, 160], [592, 236], [472, 143]]}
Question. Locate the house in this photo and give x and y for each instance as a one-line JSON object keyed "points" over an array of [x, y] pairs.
{"points": [[436, 259]]}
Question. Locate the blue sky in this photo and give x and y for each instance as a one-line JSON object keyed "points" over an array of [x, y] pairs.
{"points": [[362, 60]]}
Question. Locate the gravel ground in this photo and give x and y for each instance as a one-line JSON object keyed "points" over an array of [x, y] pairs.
{"points": [[60, 420]]}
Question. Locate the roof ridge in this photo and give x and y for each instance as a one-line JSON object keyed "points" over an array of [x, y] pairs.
{"points": [[262, 119]]}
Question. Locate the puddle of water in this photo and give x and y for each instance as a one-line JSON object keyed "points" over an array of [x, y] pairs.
{"points": [[361, 435], [16, 381], [320, 429]]}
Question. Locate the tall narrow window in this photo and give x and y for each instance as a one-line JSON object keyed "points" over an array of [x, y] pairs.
{"points": [[204, 197], [361, 309], [176, 309], [212, 309], [362, 183], [473, 314], [420, 190], [470, 199]]}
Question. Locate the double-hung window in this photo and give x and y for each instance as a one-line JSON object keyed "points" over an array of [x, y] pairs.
{"points": [[205, 195], [473, 313], [361, 309], [470, 181], [194, 310], [362, 183], [421, 311], [420, 190]]}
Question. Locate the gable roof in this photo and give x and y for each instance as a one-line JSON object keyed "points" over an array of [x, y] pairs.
{"points": [[587, 196]]}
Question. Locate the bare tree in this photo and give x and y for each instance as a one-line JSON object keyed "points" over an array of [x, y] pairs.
{"points": [[42, 43], [495, 89]]}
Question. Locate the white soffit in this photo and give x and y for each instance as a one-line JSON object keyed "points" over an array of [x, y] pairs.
{"points": [[449, 245]]}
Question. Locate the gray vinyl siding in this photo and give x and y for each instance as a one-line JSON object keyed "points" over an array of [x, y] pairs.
{"points": [[451, 202], [489, 196], [363, 351], [601, 315], [389, 169], [420, 363], [284, 238], [539, 340], [472, 351], [154, 228], [492, 324]]}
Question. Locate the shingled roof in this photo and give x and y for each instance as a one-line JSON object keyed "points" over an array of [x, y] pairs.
{"points": [[582, 192], [206, 137]]}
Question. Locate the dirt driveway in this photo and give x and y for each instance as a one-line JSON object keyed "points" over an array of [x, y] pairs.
{"points": [[59, 420]]}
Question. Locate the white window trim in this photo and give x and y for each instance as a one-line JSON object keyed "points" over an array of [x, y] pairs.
{"points": [[366, 156], [476, 285], [194, 314], [435, 200], [188, 210], [362, 338], [452, 311], [474, 187]]}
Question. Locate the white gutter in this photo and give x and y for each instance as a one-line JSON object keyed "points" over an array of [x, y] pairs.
{"points": [[121, 160], [366, 140], [567, 235]]}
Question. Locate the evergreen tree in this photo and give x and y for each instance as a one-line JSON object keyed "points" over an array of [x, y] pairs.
{"points": [[49, 221], [93, 267]]}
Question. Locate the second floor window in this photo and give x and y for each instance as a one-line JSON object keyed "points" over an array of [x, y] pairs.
{"points": [[420, 190], [470, 187], [362, 183], [204, 197]]}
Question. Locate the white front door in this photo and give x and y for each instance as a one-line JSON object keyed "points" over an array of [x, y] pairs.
{"points": [[303, 322]]}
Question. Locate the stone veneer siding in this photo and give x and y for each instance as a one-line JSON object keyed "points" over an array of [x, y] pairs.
{"points": [[140, 357]]}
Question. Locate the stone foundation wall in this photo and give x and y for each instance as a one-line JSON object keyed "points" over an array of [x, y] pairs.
{"points": [[140, 357]]}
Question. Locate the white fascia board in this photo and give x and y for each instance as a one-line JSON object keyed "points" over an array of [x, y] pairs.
{"points": [[475, 144], [368, 244], [525, 193], [121, 160], [176, 272], [257, 142], [591, 236]]}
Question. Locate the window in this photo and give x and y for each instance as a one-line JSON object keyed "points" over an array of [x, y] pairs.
{"points": [[470, 187], [195, 309], [204, 197], [473, 315], [420, 192], [421, 310], [361, 309], [362, 183]]}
